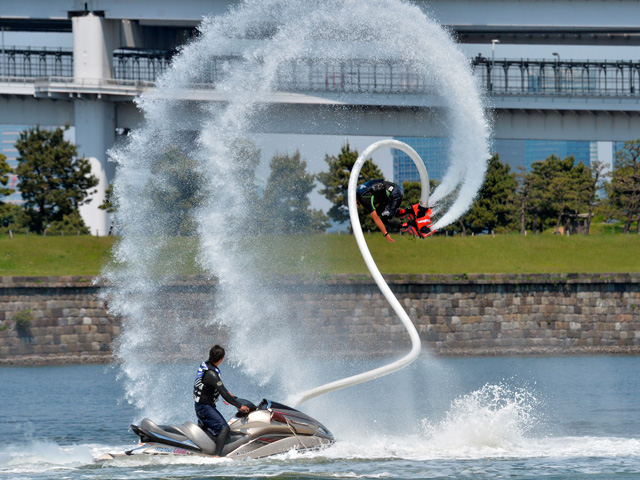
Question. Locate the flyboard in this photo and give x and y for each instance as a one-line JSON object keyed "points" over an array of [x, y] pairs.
{"points": [[375, 273]]}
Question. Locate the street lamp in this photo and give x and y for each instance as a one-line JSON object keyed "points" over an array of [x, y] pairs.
{"points": [[557, 55], [493, 61], [2, 58]]}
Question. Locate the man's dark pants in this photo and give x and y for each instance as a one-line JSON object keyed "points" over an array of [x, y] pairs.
{"points": [[213, 421]]}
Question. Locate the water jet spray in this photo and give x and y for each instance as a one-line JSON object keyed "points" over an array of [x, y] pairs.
{"points": [[276, 46]]}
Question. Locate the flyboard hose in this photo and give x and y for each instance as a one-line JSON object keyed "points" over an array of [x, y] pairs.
{"points": [[375, 273]]}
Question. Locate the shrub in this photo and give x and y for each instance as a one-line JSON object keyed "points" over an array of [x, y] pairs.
{"points": [[69, 225], [23, 322]]}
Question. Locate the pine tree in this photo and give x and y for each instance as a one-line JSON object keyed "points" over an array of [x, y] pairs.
{"points": [[624, 189], [5, 170], [522, 197], [336, 183], [555, 191], [413, 192], [175, 190], [494, 208], [52, 180], [11, 216], [549, 185], [285, 206], [108, 204]]}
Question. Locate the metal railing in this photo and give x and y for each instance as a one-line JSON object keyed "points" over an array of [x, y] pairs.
{"points": [[31, 63], [497, 76], [141, 65], [558, 77], [352, 76]]}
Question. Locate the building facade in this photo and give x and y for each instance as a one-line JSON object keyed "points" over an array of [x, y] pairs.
{"points": [[515, 153]]}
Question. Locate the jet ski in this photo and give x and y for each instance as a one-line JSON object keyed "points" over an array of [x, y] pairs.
{"points": [[268, 429]]}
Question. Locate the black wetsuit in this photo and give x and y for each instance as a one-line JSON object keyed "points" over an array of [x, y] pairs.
{"points": [[206, 389], [384, 198]]}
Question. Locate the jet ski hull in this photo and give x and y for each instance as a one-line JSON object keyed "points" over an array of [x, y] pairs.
{"points": [[269, 429]]}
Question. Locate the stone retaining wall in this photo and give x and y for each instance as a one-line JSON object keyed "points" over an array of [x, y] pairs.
{"points": [[61, 320]]}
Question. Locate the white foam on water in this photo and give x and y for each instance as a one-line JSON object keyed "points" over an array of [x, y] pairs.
{"points": [[350, 458], [42, 455], [496, 421]]}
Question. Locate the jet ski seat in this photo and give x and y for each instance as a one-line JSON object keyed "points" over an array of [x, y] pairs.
{"points": [[188, 431]]}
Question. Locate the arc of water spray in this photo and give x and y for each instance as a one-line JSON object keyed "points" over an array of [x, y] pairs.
{"points": [[375, 273]]}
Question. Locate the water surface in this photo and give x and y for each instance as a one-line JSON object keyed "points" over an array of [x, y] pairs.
{"points": [[524, 418]]}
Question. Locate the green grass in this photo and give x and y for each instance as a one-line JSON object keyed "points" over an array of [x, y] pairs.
{"points": [[459, 255], [328, 254], [38, 256]]}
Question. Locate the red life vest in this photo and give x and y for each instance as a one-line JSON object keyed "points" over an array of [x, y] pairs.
{"points": [[422, 219]]}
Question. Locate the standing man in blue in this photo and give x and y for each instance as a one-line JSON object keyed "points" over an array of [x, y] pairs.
{"points": [[206, 390]]}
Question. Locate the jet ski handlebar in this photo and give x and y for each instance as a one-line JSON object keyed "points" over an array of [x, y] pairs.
{"points": [[246, 403]]}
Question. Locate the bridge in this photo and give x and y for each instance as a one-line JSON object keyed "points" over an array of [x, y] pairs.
{"points": [[120, 48], [533, 99]]}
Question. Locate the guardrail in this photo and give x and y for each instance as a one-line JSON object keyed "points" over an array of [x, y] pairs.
{"points": [[144, 65], [90, 83], [558, 77], [497, 76], [31, 63]]}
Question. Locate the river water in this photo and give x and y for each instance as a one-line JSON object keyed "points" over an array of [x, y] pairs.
{"points": [[524, 418]]}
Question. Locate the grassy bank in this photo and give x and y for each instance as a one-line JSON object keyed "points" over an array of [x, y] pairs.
{"points": [[34, 256], [480, 254]]}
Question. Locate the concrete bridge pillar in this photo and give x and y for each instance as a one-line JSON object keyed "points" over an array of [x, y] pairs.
{"points": [[95, 134], [94, 40]]}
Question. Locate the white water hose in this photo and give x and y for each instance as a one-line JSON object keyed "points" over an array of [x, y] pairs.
{"points": [[375, 273]]}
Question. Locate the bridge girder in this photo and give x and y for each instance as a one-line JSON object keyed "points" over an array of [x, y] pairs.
{"points": [[587, 22], [368, 120]]}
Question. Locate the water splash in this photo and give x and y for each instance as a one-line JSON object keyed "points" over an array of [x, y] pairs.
{"points": [[248, 54], [38, 455], [495, 417]]}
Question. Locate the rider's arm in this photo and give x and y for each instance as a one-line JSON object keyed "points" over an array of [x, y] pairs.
{"points": [[212, 379], [380, 225]]}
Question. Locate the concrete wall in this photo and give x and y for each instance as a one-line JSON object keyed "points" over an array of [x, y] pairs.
{"points": [[455, 315]]}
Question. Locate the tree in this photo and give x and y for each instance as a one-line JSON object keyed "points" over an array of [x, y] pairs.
{"points": [[581, 195], [591, 187], [13, 218], [413, 191], [624, 188], [175, 190], [52, 180], [5, 170], [555, 192], [108, 204], [10, 215], [70, 224], [494, 208], [285, 206], [336, 183], [522, 196]]}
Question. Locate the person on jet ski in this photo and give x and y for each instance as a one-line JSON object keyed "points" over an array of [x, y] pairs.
{"points": [[207, 388], [382, 199]]}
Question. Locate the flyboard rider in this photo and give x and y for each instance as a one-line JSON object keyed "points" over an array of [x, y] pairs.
{"points": [[382, 199], [206, 390]]}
